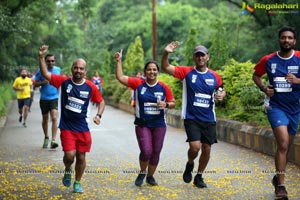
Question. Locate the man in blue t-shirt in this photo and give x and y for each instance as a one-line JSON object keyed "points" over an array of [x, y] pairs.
{"points": [[48, 101], [282, 99], [198, 107], [75, 96]]}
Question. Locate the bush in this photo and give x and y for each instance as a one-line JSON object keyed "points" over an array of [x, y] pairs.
{"points": [[7, 94], [243, 101]]}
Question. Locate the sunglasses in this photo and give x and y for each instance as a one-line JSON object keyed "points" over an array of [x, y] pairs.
{"points": [[50, 60]]}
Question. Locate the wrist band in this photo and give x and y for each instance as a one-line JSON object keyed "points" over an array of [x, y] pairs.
{"points": [[167, 105]]}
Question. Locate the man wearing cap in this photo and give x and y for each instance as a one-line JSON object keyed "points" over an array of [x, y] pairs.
{"points": [[199, 93]]}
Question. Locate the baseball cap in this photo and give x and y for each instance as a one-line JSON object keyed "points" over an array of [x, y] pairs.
{"points": [[201, 49]]}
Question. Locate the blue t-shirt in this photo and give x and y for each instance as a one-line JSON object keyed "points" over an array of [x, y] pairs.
{"points": [[286, 95], [198, 100], [74, 104], [48, 92], [146, 101]]}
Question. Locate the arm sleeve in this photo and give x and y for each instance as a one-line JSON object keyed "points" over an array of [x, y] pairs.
{"points": [[181, 71], [169, 94], [260, 67], [134, 82], [57, 80], [96, 96]]}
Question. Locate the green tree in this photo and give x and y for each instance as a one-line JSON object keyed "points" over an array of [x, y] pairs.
{"points": [[220, 48], [134, 60], [244, 101], [190, 44]]}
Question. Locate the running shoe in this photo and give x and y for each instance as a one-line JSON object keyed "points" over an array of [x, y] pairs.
{"points": [[187, 175], [54, 144], [67, 178], [46, 141], [281, 193], [24, 124], [77, 187], [139, 180], [151, 181], [199, 182]]}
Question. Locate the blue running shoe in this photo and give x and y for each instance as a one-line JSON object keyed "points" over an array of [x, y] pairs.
{"points": [[67, 178], [77, 187]]}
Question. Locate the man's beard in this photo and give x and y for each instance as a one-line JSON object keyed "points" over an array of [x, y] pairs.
{"points": [[23, 76], [285, 49]]}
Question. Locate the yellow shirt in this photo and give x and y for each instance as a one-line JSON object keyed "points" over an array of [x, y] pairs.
{"points": [[25, 83]]}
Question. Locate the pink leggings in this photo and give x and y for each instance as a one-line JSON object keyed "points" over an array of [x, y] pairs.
{"points": [[150, 142]]}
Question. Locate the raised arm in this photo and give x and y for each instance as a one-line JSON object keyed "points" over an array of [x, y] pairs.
{"points": [[119, 71], [166, 66], [43, 68]]}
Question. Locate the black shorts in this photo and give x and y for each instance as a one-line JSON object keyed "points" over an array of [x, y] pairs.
{"points": [[200, 131], [23, 102], [48, 105]]}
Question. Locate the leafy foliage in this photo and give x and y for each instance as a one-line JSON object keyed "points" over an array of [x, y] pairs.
{"points": [[220, 46], [134, 59], [244, 101], [7, 94]]}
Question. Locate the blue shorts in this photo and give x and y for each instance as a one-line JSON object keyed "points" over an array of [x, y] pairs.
{"points": [[277, 117], [23, 102]]}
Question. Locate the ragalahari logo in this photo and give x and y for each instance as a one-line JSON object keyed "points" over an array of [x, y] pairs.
{"points": [[246, 9], [271, 8]]}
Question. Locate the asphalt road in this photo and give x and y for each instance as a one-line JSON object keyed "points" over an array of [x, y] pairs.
{"points": [[28, 171]]}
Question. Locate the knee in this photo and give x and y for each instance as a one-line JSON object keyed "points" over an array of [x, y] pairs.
{"points": [[80, 156], [283, 146], [154, 160], [194, 149], [53, 118], [145, 155], [69, 157], [206, 148], [45, 119]]}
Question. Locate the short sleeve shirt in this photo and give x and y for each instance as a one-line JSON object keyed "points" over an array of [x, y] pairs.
{"points": [[146, 100], [25, 83], [74, 102], [287, 95], [198, 102], [48, 91]]}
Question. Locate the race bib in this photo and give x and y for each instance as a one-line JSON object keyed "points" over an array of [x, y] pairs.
{"points": [[74, 104], [202, 100], [281, 85], [151, 108]]}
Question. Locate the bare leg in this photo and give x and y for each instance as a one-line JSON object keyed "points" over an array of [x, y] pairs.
{"points": [[80, 165], [45, 124], [204, 157], [193, 151], [25, 112], [283, 141], [69, 159], [53, 114], [151, 170]]}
